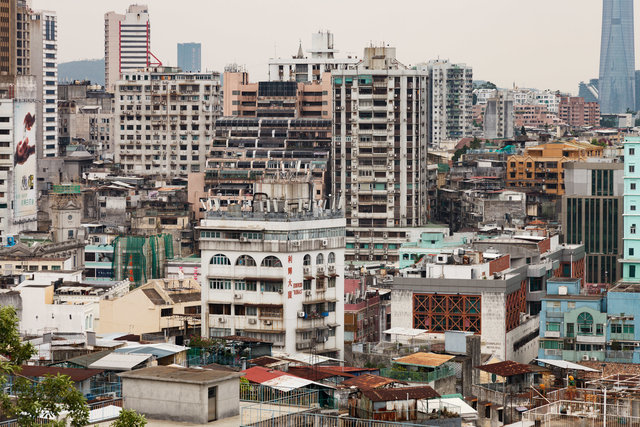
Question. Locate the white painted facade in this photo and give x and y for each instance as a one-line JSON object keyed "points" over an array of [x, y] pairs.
{"points": [[297, 304], [163, 120]]}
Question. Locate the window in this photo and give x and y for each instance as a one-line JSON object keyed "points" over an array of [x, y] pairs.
{"points": [[633, 229], [320, 259], [585, 323], [616, 328], [221, 284], [271, 261], [271, 312], [331, 306], [331, 259], [166, 312], [535, 284], [306, 284], [632, 271], [553, 326], [220, 259], [331, 282], [570, 329], [632, 151], [631, 251], [633, 185], [246, 261], [239, 310], [271, 286], [251, 311], [599, 328], [632, 168], [219, 308], [306, 260], [633, 207]]}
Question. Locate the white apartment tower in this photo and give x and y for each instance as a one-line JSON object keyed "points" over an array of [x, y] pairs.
{"points": [[303, 68], [163, 120], [380, 133], [127, 39], [44, 65], [274, 271], [451, 101]]}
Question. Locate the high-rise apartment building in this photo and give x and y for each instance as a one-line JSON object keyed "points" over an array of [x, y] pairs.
{"points": [[190, 57], [44, 65], [303, 68], [617, 58], [282, 99], [274, 271], [498, 119], [591, 208], [380, 131], [163, 120], [127, 39], [451, 101], [8, 33], [575, 112]]}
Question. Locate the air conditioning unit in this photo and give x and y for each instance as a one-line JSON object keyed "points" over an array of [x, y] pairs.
{"points": [[268, 322], [301, 314], [296, 243], [636, 344], [280, 291], [237, 296], [585, 357], [252, 321], [307, 293], [325, 242], [320, 270], [307, 271], [594, 359], [244, 239], [222, 320], [332, 269]]}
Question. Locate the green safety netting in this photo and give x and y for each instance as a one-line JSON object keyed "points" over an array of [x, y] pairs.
{"points": [[140, 258]]}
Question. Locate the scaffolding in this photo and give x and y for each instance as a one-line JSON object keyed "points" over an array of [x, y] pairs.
{"points": [[139, 258]]}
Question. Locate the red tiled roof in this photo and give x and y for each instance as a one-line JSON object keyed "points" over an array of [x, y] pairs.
{"points": [[258, 374], [507, 368], [400, 393], [76, 374]]}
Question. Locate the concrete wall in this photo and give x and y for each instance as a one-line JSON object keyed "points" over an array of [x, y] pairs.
{"points": [[528, 351], [181, 402], [493, 308]]}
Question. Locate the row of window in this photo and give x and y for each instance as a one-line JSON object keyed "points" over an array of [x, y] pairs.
{"points": [[290, 235], [269, 261], [244, 285]]}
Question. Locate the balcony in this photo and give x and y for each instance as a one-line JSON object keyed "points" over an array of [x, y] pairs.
{"points": [[552, 334], [426, 377], [593, 339], [620, 356]]}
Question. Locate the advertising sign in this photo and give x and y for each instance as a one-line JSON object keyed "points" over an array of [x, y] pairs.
{"points": [[24, 161]]}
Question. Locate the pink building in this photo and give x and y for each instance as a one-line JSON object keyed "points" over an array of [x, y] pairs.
{"points": [[533, 115], [574, 111]]}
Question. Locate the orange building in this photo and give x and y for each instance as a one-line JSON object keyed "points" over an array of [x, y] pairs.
{"points": [[541, 168], [276, 99]]}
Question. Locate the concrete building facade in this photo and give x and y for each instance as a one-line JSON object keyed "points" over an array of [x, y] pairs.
{"points": [[163, 119], [498, 116], [380, 132], [575, 112], [276, 275], [127, 38], [451, 103]]}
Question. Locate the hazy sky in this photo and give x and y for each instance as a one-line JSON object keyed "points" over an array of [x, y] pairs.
{"points": [[544, 43]]}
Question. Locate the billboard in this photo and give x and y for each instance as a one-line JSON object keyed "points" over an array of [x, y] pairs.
{"points": [[24, 161]]}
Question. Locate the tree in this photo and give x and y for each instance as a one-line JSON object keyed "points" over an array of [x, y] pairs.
{"points": [[32, 400], [129, 418]]}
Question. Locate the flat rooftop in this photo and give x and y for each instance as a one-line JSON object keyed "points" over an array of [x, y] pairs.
{"points": [[181, 375]]}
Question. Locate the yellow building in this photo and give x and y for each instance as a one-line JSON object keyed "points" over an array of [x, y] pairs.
{"points": [[541, 168], [159, 306]]}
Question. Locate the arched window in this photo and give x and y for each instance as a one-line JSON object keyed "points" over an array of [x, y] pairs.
{"points": [[306, 260], [220, 259], [320, 259], [271, 261], [246, 261], [331, 259], [585, 323]]}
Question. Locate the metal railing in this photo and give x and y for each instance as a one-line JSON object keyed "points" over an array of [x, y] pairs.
{"points": [[296, 397], [315, 419], [273, 410], [565, 412]]}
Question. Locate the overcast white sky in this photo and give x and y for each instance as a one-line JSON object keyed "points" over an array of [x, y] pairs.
{"points": [[543, 43]]}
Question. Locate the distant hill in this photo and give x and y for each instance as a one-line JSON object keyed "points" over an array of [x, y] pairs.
{"points": [[87, 69]]}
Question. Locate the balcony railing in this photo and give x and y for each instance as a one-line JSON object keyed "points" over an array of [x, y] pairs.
{"points": [[426, 377]]}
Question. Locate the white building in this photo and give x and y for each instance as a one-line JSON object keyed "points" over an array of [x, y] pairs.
{"points": [[44, 65], [163, 120], [524, 96], [483, 95], [549, 99], [275, 276], [499, 117], [451, 116], [127, 38], [380, 132], [310, 69]]}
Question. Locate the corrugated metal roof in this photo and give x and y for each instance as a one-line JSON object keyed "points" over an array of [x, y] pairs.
{"points": [[120, 361], [277, 379], [431, 360], [368, 382], [508, 368], [76, 374], [400, 393], [563, 364]]}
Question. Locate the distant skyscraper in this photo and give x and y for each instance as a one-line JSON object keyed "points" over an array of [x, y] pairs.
{"points": [[617, 60], [127, 39], [189, 56]]}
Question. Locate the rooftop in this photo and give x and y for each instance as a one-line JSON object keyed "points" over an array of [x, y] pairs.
{"points": [[179, 374], [507, 368], [368, 382], [431, 360], [76, 374], [400, 393]]}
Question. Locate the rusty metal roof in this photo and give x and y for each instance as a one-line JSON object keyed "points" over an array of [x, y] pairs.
{"points": [[507, 368], [430, 360], [368, 382], [400, 393], [76, 374]]}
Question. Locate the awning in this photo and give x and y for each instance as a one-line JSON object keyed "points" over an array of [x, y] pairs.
{"points": [[563, 364]]}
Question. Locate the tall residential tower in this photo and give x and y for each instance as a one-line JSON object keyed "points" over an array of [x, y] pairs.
{"points": [[617, 59]]}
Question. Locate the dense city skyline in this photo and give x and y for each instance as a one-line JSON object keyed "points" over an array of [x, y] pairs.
{"points": [[532, 31]]}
